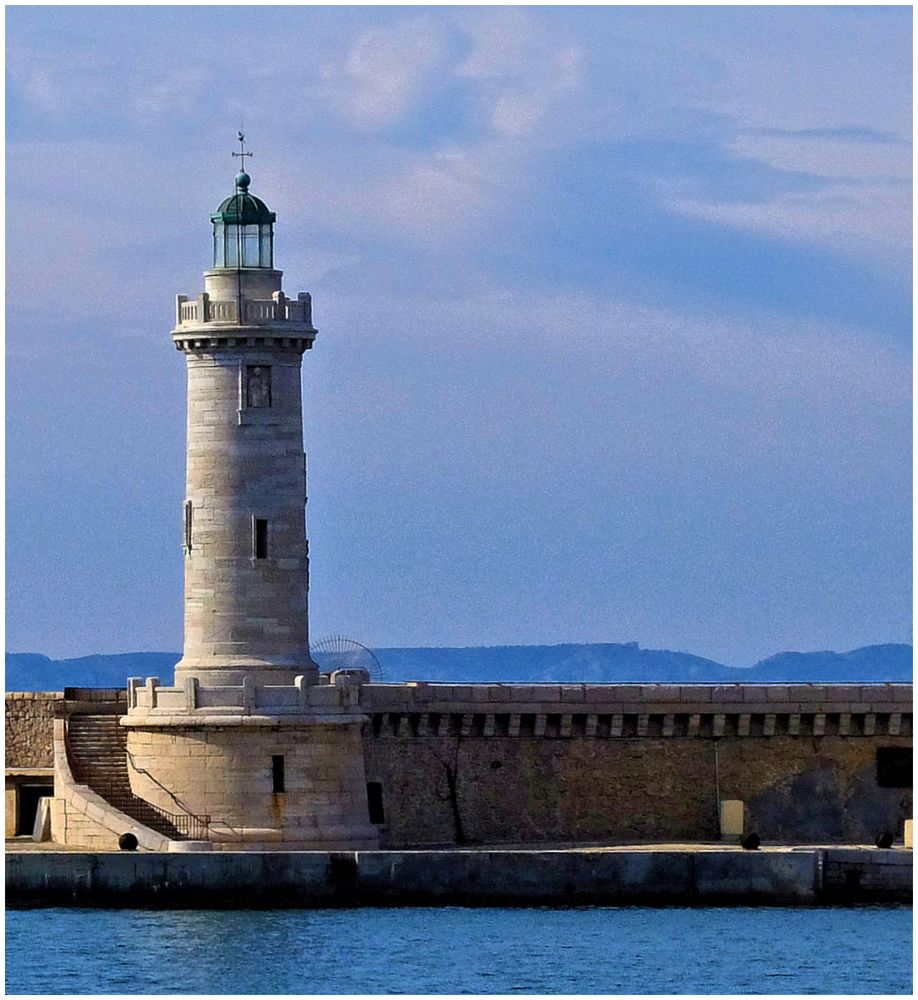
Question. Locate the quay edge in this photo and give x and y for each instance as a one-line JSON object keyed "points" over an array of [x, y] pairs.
{"points": [[475, 877]]}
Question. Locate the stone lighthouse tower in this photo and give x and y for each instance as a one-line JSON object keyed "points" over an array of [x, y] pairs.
{"points": [[246, 561], [250, 742]]}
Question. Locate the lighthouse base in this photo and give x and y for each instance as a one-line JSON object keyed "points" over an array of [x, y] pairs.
{"points": [[258, 782]]}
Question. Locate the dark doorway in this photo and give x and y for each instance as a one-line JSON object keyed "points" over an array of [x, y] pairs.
{"points": [[375, 803], [28, 806]]}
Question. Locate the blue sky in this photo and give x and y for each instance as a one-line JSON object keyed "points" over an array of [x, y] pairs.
{"points": [[614, 310]]}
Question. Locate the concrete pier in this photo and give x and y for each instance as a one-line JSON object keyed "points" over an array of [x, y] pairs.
{"points": [[680, 876]]}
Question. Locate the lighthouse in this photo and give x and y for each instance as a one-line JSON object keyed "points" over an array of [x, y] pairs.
{"points": [[244, 533], [251, 743]]}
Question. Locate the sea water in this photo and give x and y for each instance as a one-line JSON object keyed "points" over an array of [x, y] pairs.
{"points": [[457, 950]]}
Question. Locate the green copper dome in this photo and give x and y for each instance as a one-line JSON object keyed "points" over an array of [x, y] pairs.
{"points": [[243, 208]]}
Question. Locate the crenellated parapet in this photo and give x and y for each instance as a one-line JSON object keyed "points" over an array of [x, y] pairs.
{"points": [[637, 710]]}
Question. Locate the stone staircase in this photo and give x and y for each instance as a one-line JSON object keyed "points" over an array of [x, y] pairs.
{"points": [[97, 750]]}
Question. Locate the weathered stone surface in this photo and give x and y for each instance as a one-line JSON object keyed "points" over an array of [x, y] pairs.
{"points": [[30, 728], [245, 592], [858, 875], [569, 783], [627, 789], [532, 789], [495, 877], [227, 774]]}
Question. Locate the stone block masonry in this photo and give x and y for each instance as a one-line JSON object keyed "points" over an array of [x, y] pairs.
{"points": [[230, 773], [634, 763], [246, 553], [240, 745], [493, 764], [658, 877], [244, 609], [30, 728], [876, 876], [827, 706]]}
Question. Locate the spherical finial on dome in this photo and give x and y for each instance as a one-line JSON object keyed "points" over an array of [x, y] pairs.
{"points": [[243, 181]]}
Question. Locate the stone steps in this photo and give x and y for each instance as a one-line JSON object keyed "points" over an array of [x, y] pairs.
{"points": [[97, 747]]}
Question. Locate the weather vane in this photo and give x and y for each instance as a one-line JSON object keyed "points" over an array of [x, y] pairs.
{"points": [[242, 154]]}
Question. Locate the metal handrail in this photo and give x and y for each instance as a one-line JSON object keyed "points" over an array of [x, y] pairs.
{"points": [[203, 820], [184, 826]]}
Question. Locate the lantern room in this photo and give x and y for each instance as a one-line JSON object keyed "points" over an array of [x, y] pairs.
{"points": [[243, 229]]}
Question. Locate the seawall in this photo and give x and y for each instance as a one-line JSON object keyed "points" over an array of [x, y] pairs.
{"points": [[537, 764], [619, 876], [638, 763]]}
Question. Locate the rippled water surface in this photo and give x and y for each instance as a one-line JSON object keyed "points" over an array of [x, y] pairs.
{"points": [[453, 950]]}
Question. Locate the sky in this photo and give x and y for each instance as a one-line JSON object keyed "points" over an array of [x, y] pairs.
{"points": [[614, 309]]}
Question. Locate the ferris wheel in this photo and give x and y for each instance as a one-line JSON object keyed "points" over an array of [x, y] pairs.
{"points": [[335, 652]]}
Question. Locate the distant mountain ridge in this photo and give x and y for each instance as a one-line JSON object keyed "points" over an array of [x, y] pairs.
{"points": [[591, 663]]}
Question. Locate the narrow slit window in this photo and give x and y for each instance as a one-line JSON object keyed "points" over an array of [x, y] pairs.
{"points": [[188, 521], [260, 537], [277, 773], [375, 803]]}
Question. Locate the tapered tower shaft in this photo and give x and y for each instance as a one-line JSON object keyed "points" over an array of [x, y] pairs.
{"points": [[246, 553]]}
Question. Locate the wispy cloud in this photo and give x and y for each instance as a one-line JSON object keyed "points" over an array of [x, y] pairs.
{"points": [[387, 72], [862, 221], [525, 74], [640, 272], [180, 92], [39, 79], [854, 133]]}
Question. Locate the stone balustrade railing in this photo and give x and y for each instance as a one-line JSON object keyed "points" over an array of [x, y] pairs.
{"points": [[150, 699], [278, 309]]}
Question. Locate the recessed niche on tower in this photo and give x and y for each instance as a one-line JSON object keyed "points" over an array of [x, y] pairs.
{"points": [[257, 386]]}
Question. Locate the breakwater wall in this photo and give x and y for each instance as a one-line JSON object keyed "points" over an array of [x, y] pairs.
{"points": [[657, 877], [542, 764], [486, 763]]}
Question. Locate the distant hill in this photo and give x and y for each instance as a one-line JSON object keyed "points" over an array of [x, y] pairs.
{"points": [[596, 663], [612, 663], [34, 672], [891, 662]]}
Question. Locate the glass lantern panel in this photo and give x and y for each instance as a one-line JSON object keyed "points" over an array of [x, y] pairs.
{"points": [[266, 254], [250, 246], [219, 254], [232, 246]]}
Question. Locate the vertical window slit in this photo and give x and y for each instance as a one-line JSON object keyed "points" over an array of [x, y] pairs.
{"points": [[277, 773], [188, 520], [260, 537]]}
